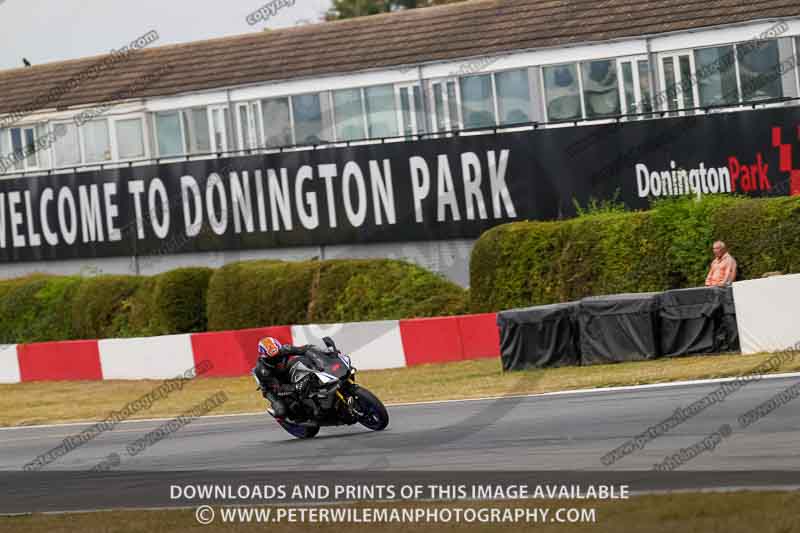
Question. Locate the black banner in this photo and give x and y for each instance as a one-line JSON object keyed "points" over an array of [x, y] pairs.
{"points": [[433, 189]]}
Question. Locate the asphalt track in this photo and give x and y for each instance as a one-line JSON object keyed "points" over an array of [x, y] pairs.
{"points": [[547, 432], [526, 438]]}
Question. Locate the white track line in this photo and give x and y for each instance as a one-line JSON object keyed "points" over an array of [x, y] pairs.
{"points": [[624, 388]]}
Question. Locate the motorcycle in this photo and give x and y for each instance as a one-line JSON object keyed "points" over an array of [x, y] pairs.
{"points": [[329, 396]]}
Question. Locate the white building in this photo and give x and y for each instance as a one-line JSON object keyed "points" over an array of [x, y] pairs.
{"points": [[477, 66]]}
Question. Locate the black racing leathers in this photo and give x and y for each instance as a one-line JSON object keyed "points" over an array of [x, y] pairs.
{"points": [[276, 377]]}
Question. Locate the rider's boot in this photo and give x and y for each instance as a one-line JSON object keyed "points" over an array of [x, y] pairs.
{"points": [[277, 408]]}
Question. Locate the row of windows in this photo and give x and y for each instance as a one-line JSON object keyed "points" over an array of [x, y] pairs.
{"points": [[590, 90], [705, 77], [95, 141]]}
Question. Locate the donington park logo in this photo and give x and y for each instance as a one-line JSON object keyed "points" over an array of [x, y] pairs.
{"points": [[737, 176], [785, 165]]}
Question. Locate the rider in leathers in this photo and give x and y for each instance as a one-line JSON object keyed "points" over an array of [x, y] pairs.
{"points": [[279, 373]]}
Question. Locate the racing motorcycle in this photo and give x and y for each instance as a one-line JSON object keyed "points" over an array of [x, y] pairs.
{"points": [[329, 396]]}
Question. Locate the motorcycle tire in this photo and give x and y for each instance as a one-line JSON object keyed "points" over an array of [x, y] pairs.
{"points": [[376, 417]]}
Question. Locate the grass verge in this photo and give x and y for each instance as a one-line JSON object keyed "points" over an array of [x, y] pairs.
{"points": [[735, 512], [46, 402]]}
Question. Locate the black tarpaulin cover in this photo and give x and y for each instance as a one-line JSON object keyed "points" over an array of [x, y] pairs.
{"points": [[727, 331], [619, 327], [540, 336], [689, 320]]}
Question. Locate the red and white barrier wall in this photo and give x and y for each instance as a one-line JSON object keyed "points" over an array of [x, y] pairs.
{"points": [[372, 345], [766, 315]]}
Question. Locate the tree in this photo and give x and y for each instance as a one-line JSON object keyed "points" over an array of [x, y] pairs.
{"points": [[347, 9]]}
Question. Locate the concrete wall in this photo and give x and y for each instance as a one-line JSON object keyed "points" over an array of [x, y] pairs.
{"points": [[450, 258], [766, 314]]}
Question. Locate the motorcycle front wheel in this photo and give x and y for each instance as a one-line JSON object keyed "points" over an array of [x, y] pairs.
{"points": [[374, 414]]}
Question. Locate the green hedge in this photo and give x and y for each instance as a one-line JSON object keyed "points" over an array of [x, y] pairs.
{"points": [[37, 308], [101, 306], [269, 292], [382, 289], [172, 302], [179, 299], [256, 293], [40, 307], [529, 263]]}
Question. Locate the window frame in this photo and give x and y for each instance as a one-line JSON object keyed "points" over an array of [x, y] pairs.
{"points": [[226, 134], [364, 117], [25, 129], [7, 132], [187, 117], [531, 103], [597, 120], [493, 87], [739, 101], [156, 137], [450, 124], [394, 110], [324, 108], [241, 129], [52, 130], [742, 102], [543, 91], [112, 133], [363, 105], [675, 55], [257, 125], [633, 60], [23, 163], [254, 129], [110, 145], [292, 142], [414, 112], [796, 52]]}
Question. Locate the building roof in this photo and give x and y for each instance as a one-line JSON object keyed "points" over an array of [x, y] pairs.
{"points": [[449, 32]]}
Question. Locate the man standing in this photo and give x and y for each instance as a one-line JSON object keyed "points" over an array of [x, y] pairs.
{"points": [[723, 268]]}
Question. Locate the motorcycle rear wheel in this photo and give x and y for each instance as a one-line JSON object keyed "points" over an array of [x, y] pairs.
{"points": [[375, 417]]}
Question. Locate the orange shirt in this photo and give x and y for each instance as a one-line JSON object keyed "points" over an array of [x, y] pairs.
{"points": [[722, 271]]}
